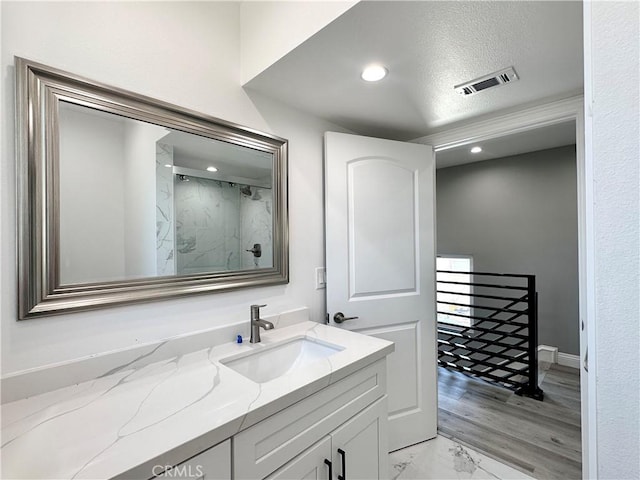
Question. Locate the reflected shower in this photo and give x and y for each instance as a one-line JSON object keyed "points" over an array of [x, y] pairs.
{"points": [[246, 191]]}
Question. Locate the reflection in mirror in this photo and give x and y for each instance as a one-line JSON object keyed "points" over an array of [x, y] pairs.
{"points": [[221, 206], [140, 200], [123, 198]]}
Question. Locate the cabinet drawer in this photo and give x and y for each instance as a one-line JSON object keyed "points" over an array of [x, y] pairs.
{"points": [[212, 464], [309, 465], [264, 447]]}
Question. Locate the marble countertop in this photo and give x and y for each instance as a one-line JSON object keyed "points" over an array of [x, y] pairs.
{"points": [[123, 423]]}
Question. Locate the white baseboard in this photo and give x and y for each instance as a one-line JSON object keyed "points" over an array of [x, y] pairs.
{"points": [[568, 360], [549, 354]]}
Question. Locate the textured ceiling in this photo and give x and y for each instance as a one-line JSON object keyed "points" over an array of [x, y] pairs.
{"points": [[428, 48]]}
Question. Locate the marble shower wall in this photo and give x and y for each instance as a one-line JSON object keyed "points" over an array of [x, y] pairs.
{"points": [[207, 226], [256, 227], [164, 210]]}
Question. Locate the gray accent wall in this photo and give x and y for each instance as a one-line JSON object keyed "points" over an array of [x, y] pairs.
{"points": [[519, 215]]}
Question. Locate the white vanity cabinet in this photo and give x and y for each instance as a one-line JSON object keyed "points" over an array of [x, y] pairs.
{"points": [[356, 451], [312, 464], [212, 464], [342, 428], [349, 416]]}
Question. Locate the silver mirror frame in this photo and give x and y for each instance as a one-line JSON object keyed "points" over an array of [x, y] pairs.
{"points": [[39, 88]]}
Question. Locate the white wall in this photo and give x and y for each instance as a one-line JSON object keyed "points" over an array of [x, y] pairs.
{"points": [[186, 54], [107, 196], [140, 198], [519, 215], [270, 30], [612, 104], [92, 200]]}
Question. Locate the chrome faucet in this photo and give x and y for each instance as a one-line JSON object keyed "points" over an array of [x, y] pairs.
{"points": [[257, 322]]}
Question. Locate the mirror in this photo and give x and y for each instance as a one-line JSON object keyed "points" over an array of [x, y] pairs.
{"points": [[141, 200], [123, 198]]}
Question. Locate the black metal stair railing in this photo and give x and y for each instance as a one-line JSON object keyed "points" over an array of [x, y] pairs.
{"points": [[497, 338]]}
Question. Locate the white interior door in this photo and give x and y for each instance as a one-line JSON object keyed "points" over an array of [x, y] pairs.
{"points": [[380, 258]]}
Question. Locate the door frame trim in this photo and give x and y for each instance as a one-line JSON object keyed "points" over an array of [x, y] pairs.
{"points": [[569, 109]]}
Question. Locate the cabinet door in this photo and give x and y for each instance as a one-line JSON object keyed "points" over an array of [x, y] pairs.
{"points": [[360, 446], [212, 464], [309, 465]]}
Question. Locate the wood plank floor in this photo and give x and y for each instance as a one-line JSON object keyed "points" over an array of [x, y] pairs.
{"points": [[541, 439]]}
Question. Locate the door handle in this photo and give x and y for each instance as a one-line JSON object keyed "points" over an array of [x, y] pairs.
{"points": [[585, 362], [339, 317], [330, 465], [344, 465]]}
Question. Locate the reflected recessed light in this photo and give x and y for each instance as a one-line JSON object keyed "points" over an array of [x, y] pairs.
{"points": [[476, 149], [212, 169], [373, 73], [168, 165]]}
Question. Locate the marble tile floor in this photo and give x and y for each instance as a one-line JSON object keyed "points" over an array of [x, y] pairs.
{"points": [[444, 459]]}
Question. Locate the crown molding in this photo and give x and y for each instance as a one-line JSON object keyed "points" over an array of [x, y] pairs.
{"points": [[507, 124]]}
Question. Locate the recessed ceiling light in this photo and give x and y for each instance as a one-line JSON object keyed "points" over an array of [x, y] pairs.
{"points": [[476, 149], [168, 165], [374, 72], [212, 169]]}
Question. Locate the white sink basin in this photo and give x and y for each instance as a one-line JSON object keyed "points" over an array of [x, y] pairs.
{"points": [[273, 361]]}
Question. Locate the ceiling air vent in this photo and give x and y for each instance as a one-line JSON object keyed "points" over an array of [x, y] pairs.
{"points": [[488, 81]]}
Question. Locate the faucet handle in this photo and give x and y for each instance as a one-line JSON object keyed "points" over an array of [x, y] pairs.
{"points": [[255, 311]]}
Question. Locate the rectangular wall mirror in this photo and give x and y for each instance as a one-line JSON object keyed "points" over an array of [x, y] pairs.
{"points": [[123, 198]]}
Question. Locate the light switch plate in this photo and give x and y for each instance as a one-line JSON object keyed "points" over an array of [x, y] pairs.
{"points": [[321, 278]]}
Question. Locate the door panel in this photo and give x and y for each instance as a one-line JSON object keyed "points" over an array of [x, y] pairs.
{"points": [[406, 386], [380, 241], [391, 230]]}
